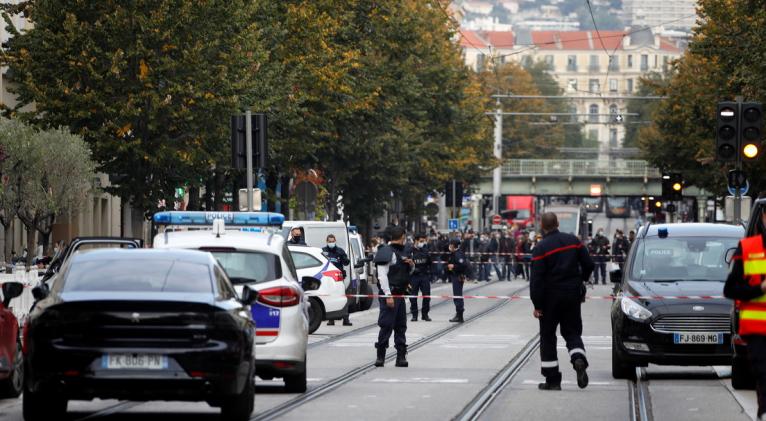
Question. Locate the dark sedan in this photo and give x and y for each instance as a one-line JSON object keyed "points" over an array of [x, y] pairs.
{"points": [[140, 325], [670, 309]]}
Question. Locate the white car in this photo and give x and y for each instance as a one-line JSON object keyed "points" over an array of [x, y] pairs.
{"points": [[329, 302], [253, 256]]}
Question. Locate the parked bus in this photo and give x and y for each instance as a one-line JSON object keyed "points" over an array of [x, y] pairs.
{"points": [[519, 210]]}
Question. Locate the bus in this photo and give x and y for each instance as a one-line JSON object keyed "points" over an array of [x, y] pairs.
{"points": [[573, 219], [617, 207], [519, 210]]}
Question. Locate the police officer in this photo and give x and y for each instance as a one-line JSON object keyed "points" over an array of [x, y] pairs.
{"points": [[296, 237], [394, 270], [338, 257], [421, 277], [560, 267], [747, 283], [457, 268]]}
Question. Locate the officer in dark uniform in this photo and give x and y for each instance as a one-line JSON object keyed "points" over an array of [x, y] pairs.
{"points": [[560, 267], [297, 237], [394, 270], [421, 277], [338, 257], [457, 268]]}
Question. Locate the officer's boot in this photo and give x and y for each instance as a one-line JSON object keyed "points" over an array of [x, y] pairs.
{"points": [[426, 318], [582, 376], [552, 382], [381, 360], [401, 358], [458, 318], [415, 316]]}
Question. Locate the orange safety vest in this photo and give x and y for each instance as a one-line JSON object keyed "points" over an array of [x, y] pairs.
{"points": [[752, 313]]}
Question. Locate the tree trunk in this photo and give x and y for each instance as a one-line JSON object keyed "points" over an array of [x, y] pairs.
{"points": [[217, 190], [332, 206], [31, 246], [194, 200], [8, 245], [285, 195], [209, 192], [272, 178]]}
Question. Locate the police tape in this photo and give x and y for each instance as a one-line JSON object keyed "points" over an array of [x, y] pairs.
{"points": [[527, 297]]}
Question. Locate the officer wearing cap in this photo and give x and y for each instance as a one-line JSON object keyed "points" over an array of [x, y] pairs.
{"points": [[421, 277], [560, 268], [457, 268], [747, 284], [394, 270]]}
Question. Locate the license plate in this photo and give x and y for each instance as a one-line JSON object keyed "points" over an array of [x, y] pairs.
{"points": [[698, 338], [134, 361]]}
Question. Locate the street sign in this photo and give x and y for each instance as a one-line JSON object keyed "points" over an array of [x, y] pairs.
{"points": [[737, 178], [453, 225], [496, 220], [742, 191]]}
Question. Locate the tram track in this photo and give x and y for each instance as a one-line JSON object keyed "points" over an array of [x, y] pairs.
{"points": [[640, 403]]}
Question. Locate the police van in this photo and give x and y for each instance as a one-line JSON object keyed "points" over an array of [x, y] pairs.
{"points": [[249, 248]]}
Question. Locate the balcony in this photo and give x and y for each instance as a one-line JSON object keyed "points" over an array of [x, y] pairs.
{"points": [[593, 68], [571, 67]]}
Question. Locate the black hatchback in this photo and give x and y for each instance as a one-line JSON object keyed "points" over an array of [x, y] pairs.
{"points": [[140, 325], [669, 308]]}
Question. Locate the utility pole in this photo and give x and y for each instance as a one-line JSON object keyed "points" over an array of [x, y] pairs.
{"points": [[737, 191], [498, 150], [249, 154]]}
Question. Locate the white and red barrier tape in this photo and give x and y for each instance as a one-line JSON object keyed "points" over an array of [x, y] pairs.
{"points": [[527, 297]]}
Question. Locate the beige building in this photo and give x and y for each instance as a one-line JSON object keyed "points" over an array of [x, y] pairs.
{"points": [[669, 14], [599, 74]]}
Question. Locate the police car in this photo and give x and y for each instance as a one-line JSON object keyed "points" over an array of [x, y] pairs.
{"points": [[329, 302], [251, 254]]}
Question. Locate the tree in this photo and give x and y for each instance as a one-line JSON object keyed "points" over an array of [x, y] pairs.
{"points": [[14, 168], [149, 84], [647, 86]]}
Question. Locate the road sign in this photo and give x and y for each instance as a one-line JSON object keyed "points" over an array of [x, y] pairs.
{"points": [[742, 191], [453, 225], [496, 220]]}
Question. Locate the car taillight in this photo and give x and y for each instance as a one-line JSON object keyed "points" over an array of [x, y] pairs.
{"points": [[279, 296], [336, 275], [25, 339]]}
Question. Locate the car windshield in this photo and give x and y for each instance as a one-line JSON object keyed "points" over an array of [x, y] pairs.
{"points": [[247, 267], [682, 259], [138, 275]]}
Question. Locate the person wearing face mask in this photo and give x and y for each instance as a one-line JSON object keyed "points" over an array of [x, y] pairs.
{"points": [[296, 237], [620, 248], [421, 277], [457, 267], [338, 257], [599, 250]]}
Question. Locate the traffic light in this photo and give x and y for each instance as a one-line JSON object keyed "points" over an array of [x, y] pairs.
{"points": [[676, 187], [239, 141], [658, 206], [726, 144], [752, 115], [454, 198]]}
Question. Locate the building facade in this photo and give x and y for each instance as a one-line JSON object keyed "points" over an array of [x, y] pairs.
{"points": [[670, 14]]}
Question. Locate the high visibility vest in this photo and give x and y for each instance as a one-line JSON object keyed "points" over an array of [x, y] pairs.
{"points": [[752, 313]]}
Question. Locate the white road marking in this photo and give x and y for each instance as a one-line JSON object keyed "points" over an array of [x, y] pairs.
{"points": [[421, 380]]}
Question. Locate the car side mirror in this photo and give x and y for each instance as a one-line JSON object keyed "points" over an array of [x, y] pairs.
{"points": [[360, 263], [615, 276], [249, 295], [729, 256], [11, 290], [40, 292], [309, 283]]}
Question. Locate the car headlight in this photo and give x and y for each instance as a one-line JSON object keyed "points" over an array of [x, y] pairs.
{"points": [[634, 310]]}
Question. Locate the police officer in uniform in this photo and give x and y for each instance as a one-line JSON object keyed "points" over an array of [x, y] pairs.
{"points": [[560, 268], [338, 257], [421, 277], [747, 283], [457, 269], [394, 270], [297, 237]]}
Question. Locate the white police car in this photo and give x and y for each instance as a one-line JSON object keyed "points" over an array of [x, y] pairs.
{"points": [[329, 302], [253, 255]]}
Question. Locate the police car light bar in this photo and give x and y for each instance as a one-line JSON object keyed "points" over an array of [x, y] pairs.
{"points": [[195, 218]]}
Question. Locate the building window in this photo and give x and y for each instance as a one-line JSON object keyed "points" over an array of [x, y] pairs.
{"points": [[573, 111], [593, 86], [630, 85], [644, 62], [593, 67], [480, 62], [549, 61], [572, 63], [526, 61], [630, 61], [612, 85], [593, 111], [614, 63], [572, 85], [593, 135], [613, 138], [655, 61]]}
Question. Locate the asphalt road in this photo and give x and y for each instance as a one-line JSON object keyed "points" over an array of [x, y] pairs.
{"points": [[450, 366]]}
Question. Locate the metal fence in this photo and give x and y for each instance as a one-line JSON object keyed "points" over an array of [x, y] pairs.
{"points": [[578, 168]]}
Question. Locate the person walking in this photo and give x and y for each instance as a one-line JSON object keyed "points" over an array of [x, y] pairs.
{"points": [[338, 257], [599, 249], [506, 247], [421, 277], [394, 269], [620, 248], [560, 268], [457, 267], [523, 256]]}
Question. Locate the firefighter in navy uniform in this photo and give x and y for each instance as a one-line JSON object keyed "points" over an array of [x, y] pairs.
{"points": [[421, 277], [747, 283], [457, 269], [560, 267], [394, 270]]}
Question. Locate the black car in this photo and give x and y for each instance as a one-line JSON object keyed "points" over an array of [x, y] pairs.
{"points": [[649, 325], [140, 325]]}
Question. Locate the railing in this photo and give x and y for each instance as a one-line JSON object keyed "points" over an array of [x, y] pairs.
{"points": [[578, 168]]}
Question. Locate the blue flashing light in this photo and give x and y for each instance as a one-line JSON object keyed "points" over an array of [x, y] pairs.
{"points": [[196, 218], [662, 232], [353, 229]]}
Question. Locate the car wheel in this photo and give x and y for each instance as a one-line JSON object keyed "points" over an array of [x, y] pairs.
{"points": [[316, 314], [621, 369], [296, 383], [240, 407], [366, 302], [12, 386], [38, 406], [741, 375]]}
